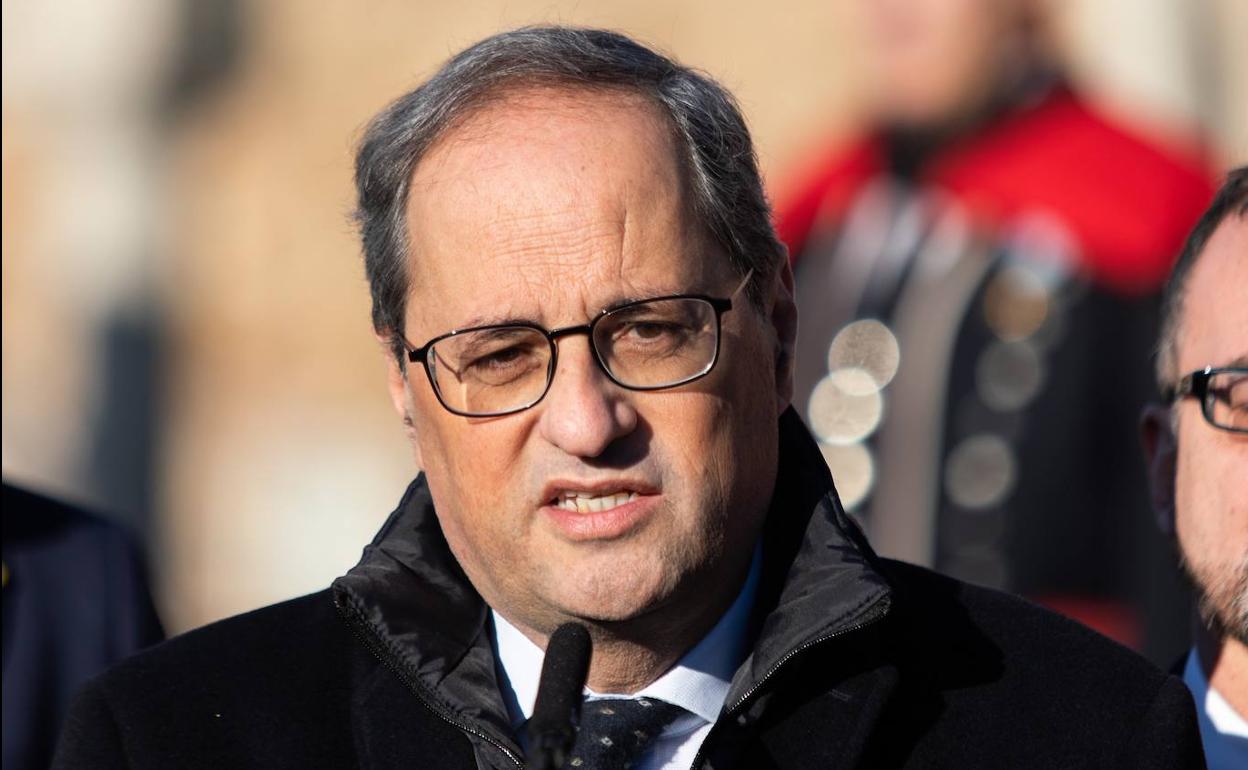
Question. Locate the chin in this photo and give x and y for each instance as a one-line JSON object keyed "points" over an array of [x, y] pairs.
{"points": [[1221, 595], [616, 592]]}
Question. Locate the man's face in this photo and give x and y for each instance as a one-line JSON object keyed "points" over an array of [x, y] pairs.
{"points": [[933, 60], [548, 207], [1211, 472]]}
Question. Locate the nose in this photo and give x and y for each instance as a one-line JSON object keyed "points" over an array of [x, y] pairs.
{"points": [[584, 412]]}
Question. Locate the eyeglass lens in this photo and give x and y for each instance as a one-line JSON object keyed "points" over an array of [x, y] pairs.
{"points": [[1226, 400], [647, 345]]}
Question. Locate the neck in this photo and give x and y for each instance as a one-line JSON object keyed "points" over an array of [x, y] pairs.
{"points": [[1225, 662], [624, 666]]}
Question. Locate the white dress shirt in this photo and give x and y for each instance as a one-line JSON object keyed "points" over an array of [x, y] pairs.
{"points": [[1223, 731], [697, 683]]}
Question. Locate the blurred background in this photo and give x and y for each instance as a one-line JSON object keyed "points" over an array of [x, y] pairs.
{"points": [[186, 343]]}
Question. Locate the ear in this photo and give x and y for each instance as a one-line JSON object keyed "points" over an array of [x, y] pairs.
{"points": [[784, 322], [396, 384], [1161, 452]]}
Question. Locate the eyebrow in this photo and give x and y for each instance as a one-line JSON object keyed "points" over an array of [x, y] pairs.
{"points": [[1240, 362], [508, 320], [495, 320], [485, 339]]}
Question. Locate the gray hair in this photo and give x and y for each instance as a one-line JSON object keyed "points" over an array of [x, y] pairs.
{"points": [[1232, 198], [711, 134]]}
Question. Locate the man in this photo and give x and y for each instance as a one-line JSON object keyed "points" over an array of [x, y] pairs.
{"points": [[986, 247], [588, 321], [1198, 452], [75, 602]]}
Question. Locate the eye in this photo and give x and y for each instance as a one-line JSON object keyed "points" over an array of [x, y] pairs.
{"points": [[650, 337], [1231, 390], [657, 320], [1236, 396], [499, 359], [504, 364], [649, 330], [495, 356]]}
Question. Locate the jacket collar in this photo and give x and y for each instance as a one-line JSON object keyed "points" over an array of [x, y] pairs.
{"points": [[820, 577], [413, 604]]}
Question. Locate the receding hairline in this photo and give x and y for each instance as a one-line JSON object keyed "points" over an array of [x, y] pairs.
{"points": [[1230, 202], [1237, 216], [475, 122], [524, 95]]}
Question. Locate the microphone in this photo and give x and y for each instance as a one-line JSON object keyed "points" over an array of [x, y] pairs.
{"points": [[552, 728]]}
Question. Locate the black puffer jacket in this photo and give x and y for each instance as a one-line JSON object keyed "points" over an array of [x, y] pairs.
{"points": [[857, 662]]}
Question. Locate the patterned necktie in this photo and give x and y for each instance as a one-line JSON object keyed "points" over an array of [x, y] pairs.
{"points": [[614, 732]]}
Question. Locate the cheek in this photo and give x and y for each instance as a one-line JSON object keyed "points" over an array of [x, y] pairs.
{"points": [[470, 466], [462, 446], [1211, 500], [477, 506], [726, 446], [707, 457], [1232, 482], [1188, 505]]}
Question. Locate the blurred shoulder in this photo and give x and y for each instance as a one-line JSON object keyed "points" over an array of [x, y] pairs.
{"points": [[285, 642], [269, 688], [1033, 646], [35, 523], [984, 674]]}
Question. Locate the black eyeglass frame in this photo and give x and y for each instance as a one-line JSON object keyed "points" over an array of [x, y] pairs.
{"points": [[720, 305], [1196, 385]]}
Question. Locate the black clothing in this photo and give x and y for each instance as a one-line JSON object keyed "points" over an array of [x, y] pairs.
{"points": [[75, 602], [857, 662]]}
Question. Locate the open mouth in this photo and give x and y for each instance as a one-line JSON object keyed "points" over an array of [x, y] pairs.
{"points": [[589, 502], [600, 510]]}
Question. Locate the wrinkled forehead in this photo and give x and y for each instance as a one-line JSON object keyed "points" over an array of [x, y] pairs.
{"points": [[550, 203]]}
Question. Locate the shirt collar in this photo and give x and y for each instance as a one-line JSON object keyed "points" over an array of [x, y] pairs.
{"points": [[1209, 702], [698, 682]]}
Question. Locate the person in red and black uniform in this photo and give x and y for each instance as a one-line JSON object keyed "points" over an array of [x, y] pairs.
{"points": [[977, 275]]}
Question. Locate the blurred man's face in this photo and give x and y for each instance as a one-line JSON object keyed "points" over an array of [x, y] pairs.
{"points": [[547, 208], [933, 60], [1211, 473]]}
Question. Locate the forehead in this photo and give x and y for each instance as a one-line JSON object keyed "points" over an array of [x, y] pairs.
{"points": [[1214, 328], [549, 203]]}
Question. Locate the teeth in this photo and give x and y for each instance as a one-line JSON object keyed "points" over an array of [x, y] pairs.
{"points": [[582, 502]]}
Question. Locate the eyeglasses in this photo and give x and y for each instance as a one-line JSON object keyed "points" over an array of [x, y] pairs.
{"points": [[650, 344], [1223, 396]]}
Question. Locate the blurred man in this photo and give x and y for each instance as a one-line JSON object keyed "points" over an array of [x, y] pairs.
{"points": [[976, 274], [588, 323], [1198, 459], [75, 602]]}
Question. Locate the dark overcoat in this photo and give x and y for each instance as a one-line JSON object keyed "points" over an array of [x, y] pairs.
{"points": [[856, 662]]}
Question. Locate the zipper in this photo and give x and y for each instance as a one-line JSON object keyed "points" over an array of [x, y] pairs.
{"points": [[877, 611], [360, 629]]}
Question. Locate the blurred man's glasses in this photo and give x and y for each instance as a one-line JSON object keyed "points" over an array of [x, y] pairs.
{"points": [[650, 344], [1222, 393]]}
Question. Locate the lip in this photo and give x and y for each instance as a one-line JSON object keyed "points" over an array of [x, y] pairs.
{"points": [[555, 487], [599, 525]]}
